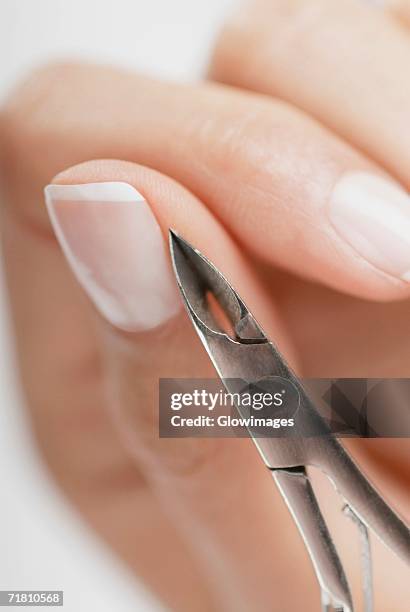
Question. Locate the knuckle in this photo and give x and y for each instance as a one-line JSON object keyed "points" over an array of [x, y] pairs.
{"points": [[242, 141], [234, 138]]}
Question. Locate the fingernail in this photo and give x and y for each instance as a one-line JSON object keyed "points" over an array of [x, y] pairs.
{"points": [[115, 248], [372, 214]]}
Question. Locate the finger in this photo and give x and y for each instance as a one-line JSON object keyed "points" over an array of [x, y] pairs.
{"points": [[106, 236], [61, 367], [289, 191], [285, 57], [342, 62], [62, 375]]}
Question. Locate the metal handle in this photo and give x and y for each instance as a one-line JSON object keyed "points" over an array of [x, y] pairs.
{"points": [[362, 497], [298, 494]]}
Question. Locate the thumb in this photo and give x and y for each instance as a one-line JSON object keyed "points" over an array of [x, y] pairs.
{"points": [[110, 218]]}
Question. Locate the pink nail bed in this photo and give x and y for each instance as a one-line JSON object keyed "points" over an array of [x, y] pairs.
{"points": [[116, 250]]}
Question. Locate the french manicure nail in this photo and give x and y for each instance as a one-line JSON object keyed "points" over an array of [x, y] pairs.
{"points": [[372, 214], [116, 250]]}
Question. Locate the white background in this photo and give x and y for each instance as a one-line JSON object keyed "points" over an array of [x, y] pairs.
{"points": [[43, 544]]}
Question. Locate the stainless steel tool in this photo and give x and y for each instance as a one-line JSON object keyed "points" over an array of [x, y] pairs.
{"points": [[248, 354]]}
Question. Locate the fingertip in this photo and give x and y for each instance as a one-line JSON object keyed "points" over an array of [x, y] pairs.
{"points": [[109, 255], [370, 214]]}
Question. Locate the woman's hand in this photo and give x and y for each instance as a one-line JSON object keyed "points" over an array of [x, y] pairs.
{"points": [[298, 196]]}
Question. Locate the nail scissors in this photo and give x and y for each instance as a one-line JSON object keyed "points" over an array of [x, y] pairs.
{"points": [[248, 354]]}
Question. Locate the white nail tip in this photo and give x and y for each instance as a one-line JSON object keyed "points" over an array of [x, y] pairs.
{"points": [[97, 192], [116, 250]]}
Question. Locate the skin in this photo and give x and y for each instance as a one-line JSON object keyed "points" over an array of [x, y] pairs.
{"points": [[238, 161]]}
